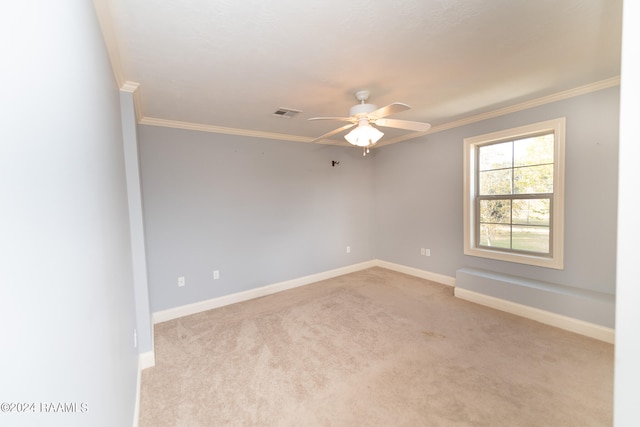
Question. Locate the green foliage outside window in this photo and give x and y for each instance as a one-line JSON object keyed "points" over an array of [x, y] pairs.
{"points": [[515, 190]]}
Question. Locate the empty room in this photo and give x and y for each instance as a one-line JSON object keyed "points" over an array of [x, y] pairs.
{"points": [[281, 213]]}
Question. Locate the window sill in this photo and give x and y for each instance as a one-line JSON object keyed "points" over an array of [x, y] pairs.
{"points": [[538, 261]]}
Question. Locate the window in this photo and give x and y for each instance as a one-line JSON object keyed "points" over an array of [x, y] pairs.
{"points": [[514, 191]]}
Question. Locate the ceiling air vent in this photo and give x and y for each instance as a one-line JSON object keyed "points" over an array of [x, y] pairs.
{"points": [[286, 113]]}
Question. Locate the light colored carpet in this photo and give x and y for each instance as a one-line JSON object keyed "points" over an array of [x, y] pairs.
{"points": [[373, 348]]}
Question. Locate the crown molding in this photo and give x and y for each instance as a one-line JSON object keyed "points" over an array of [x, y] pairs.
{"points": [[581, 90], [129, 86], [151, 121], [103, 13], [134, 89]]}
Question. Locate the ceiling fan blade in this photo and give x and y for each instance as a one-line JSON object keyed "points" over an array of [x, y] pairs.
{"points": [[333, 132], [390, 109], [403, 124], [342, 119]]}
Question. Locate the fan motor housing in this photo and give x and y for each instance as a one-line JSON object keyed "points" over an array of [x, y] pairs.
{"points": [[362, 109]]}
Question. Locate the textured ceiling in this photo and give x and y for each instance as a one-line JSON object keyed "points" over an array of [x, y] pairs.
{"points": [[232, 63]]}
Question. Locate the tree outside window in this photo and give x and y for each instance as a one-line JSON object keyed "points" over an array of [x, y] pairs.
{"points": [[513, 189]]}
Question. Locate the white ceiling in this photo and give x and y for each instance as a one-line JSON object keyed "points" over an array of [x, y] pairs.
{"points": [[232, 63]]}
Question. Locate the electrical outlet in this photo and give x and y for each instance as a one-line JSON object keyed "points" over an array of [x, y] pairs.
{"points": [[427, 252], [135, 338], [216, 274], [181, 281], [348, 249], [422, 251]]}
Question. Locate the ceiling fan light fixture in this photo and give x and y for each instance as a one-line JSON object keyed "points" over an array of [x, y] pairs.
{"points": [[364, 135], [364, 115]]}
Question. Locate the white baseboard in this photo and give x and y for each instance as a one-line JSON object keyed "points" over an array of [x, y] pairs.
{"points": [[423, 274], [147, 360], [563, 322], [567, 323], [186, 310]]}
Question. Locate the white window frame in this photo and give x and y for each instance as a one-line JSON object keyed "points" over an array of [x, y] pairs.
{"points": [[556, 260]]}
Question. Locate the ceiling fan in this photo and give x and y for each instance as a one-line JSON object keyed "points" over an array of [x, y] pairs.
{"points": [[364, 116]]}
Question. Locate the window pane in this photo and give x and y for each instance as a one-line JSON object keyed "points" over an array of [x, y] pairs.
{"points": [[533, 179], [532, 239], [495, 156], [496, 236], [533, 151], [495, 182], [531, 212], [495, 211], [513, 203]]}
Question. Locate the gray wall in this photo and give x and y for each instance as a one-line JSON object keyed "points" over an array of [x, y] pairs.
{"points": [[66, 297], [264, 211], [418, 195], [144, 327], [259, 211]]}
